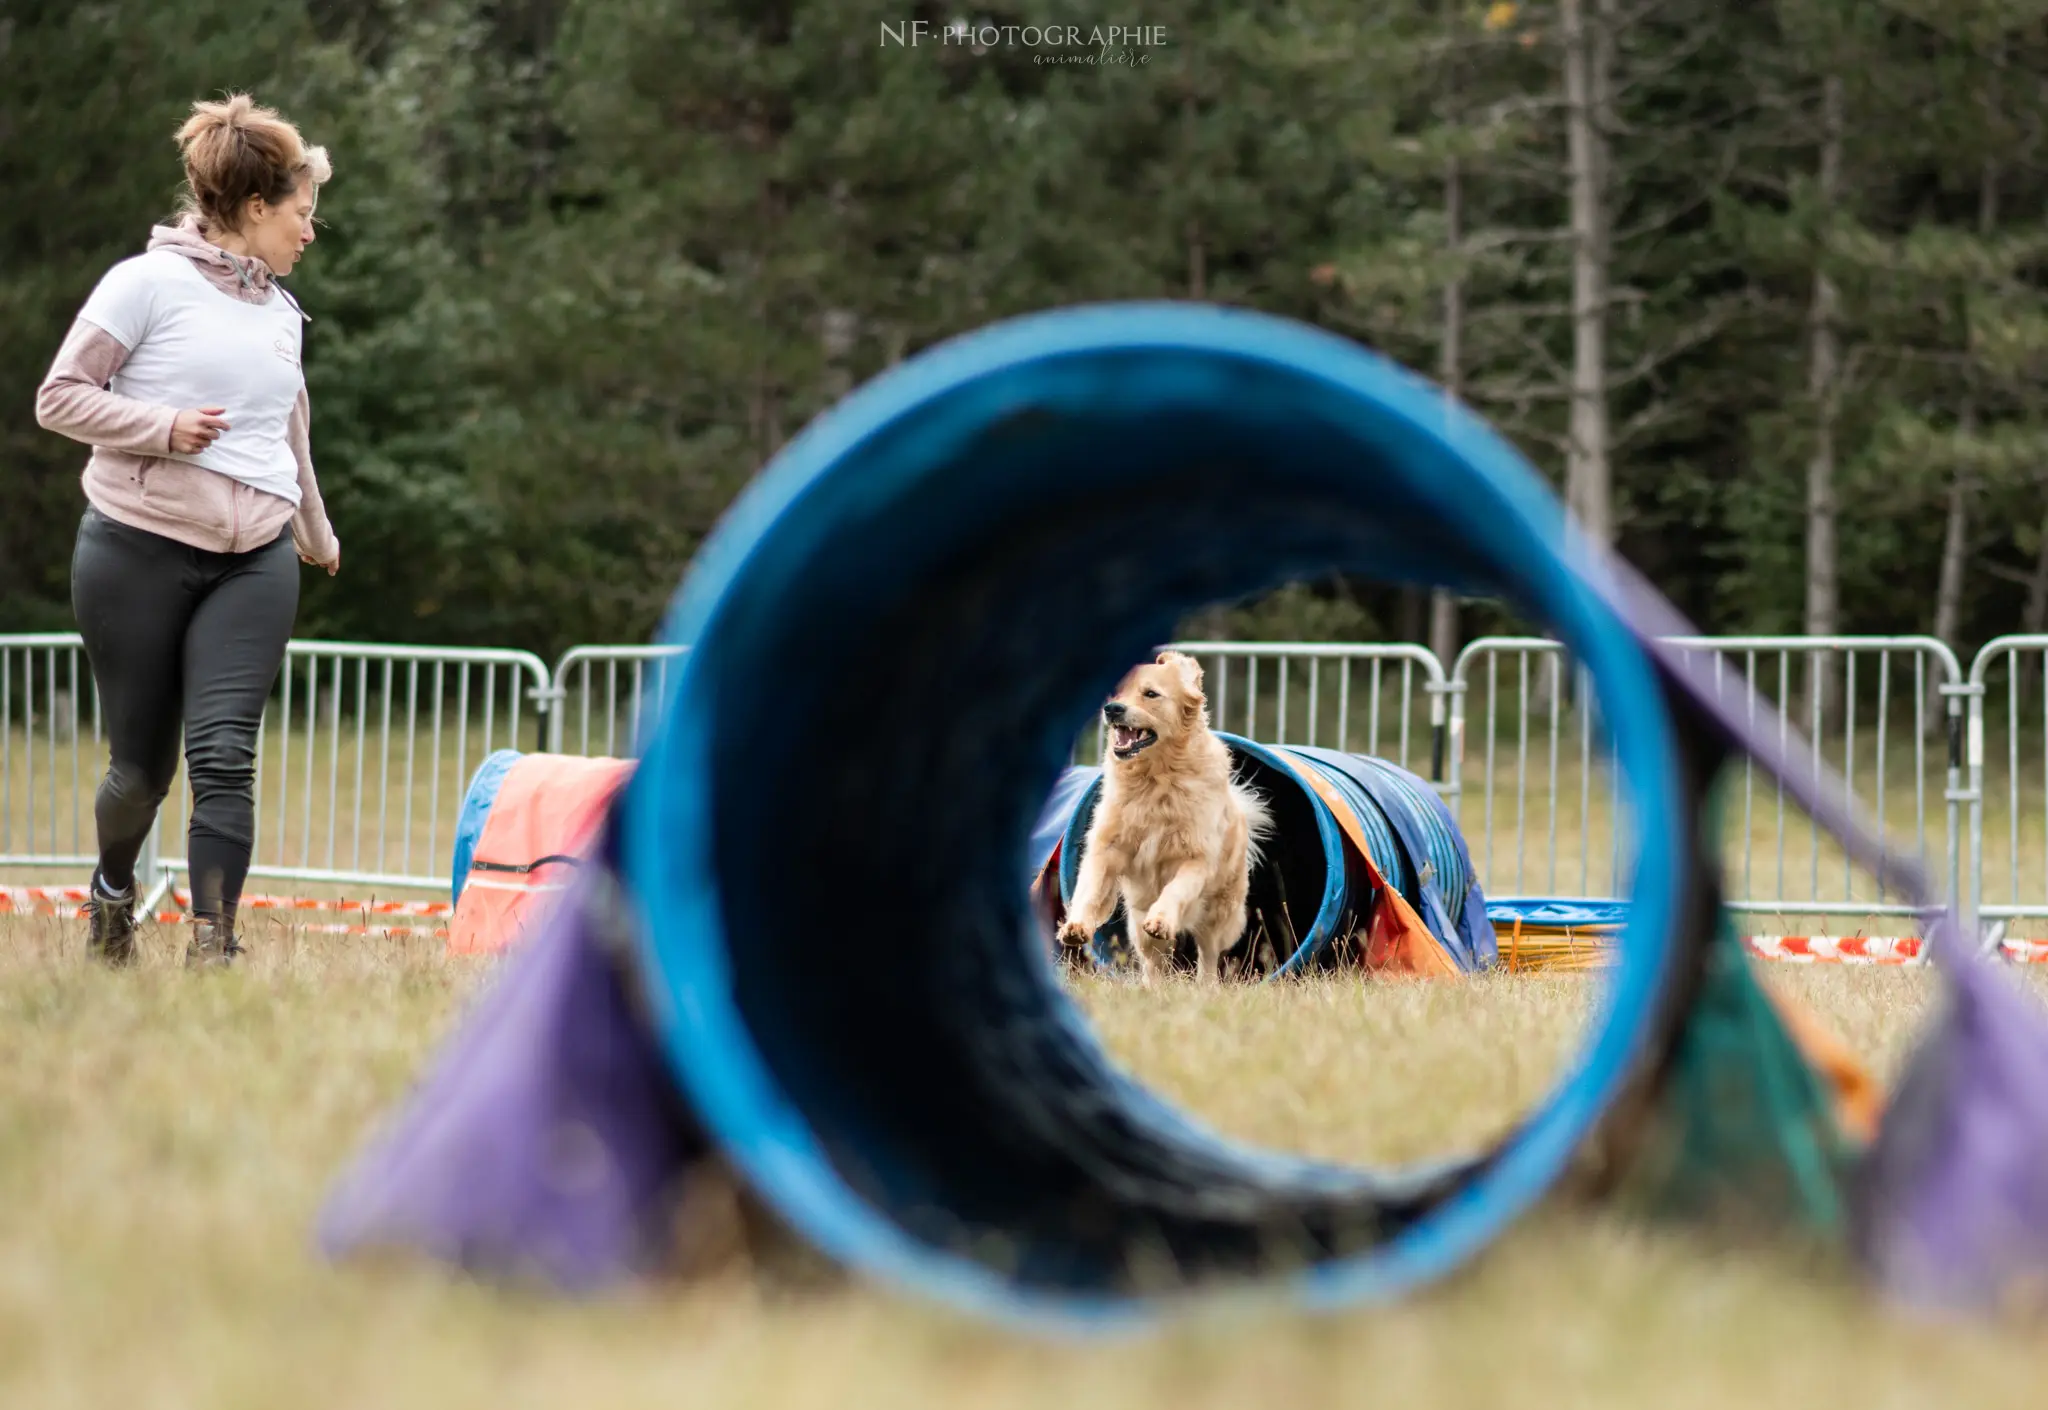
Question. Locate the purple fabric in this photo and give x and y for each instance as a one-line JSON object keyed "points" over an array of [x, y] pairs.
{"points": [[1952, 1208], [548, 1140]]}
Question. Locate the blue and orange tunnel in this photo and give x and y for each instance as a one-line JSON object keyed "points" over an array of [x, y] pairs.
{"points": [[1365, 867]]}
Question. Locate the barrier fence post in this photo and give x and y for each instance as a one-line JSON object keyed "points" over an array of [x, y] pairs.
{"points": [[151, 879], [1454, 737], [1965, 785]]}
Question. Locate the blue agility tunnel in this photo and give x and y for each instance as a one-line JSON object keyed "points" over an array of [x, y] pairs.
{"points": [[952, 568], [813, 901]]}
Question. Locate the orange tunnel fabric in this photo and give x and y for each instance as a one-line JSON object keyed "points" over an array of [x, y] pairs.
{"points": [[540, 824]]}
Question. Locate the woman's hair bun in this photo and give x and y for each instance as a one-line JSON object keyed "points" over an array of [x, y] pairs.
{"points": [[236, 148]]}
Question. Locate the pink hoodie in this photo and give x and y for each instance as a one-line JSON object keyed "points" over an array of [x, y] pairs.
{"points": [[129, 477]]}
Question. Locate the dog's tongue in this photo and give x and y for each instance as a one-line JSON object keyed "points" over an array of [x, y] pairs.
{"points": [[1123, 736]]}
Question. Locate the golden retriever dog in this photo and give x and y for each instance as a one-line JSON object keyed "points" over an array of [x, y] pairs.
{"points": [[1174, 835]]}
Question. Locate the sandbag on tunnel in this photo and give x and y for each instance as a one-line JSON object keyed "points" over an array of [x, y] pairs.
{"points": [[1348, 830]]}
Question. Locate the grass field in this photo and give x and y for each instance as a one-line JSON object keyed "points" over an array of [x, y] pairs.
{"points": [[166, 1140], [165, 1143]]}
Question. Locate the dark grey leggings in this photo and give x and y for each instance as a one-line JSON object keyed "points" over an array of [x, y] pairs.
{"points": [[179, 637]]}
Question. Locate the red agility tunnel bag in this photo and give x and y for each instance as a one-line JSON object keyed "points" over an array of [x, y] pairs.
{"points": [[526, 822]]}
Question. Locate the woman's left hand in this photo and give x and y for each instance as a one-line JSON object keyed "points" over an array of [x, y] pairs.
{"points": [[332, 568]]}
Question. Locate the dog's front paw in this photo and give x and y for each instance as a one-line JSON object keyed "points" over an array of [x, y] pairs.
{"points": [[1074, 935], [1157, 928]]}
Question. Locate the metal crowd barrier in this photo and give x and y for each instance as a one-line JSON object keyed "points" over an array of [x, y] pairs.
{"points": [[1387, 698], [2008, 781], [366, 750], [48, 765], [627, 680], [363, 754], [1887, 713]]}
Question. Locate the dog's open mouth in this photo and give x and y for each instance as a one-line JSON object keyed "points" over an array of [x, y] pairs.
{"points": [[1128, 741]]}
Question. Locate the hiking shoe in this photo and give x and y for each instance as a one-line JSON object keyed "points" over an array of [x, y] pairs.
{"points": [[110, 924], [213, 945]]}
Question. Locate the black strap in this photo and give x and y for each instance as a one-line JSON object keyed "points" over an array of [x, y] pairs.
{"points": [[530, 866]]}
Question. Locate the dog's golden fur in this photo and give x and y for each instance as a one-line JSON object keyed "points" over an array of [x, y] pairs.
{"points": [[1174, 835]]}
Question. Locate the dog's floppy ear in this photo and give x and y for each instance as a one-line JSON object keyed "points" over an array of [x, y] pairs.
{"points": [[1190, 671]]}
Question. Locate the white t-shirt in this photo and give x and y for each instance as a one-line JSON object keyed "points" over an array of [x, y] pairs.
{"points": [[190, 345]]}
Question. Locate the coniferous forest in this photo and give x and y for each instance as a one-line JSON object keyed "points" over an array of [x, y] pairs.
{"points": [[1763, 288]]}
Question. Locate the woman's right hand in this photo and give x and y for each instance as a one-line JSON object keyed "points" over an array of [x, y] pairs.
{"points": [[195, 430]]}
